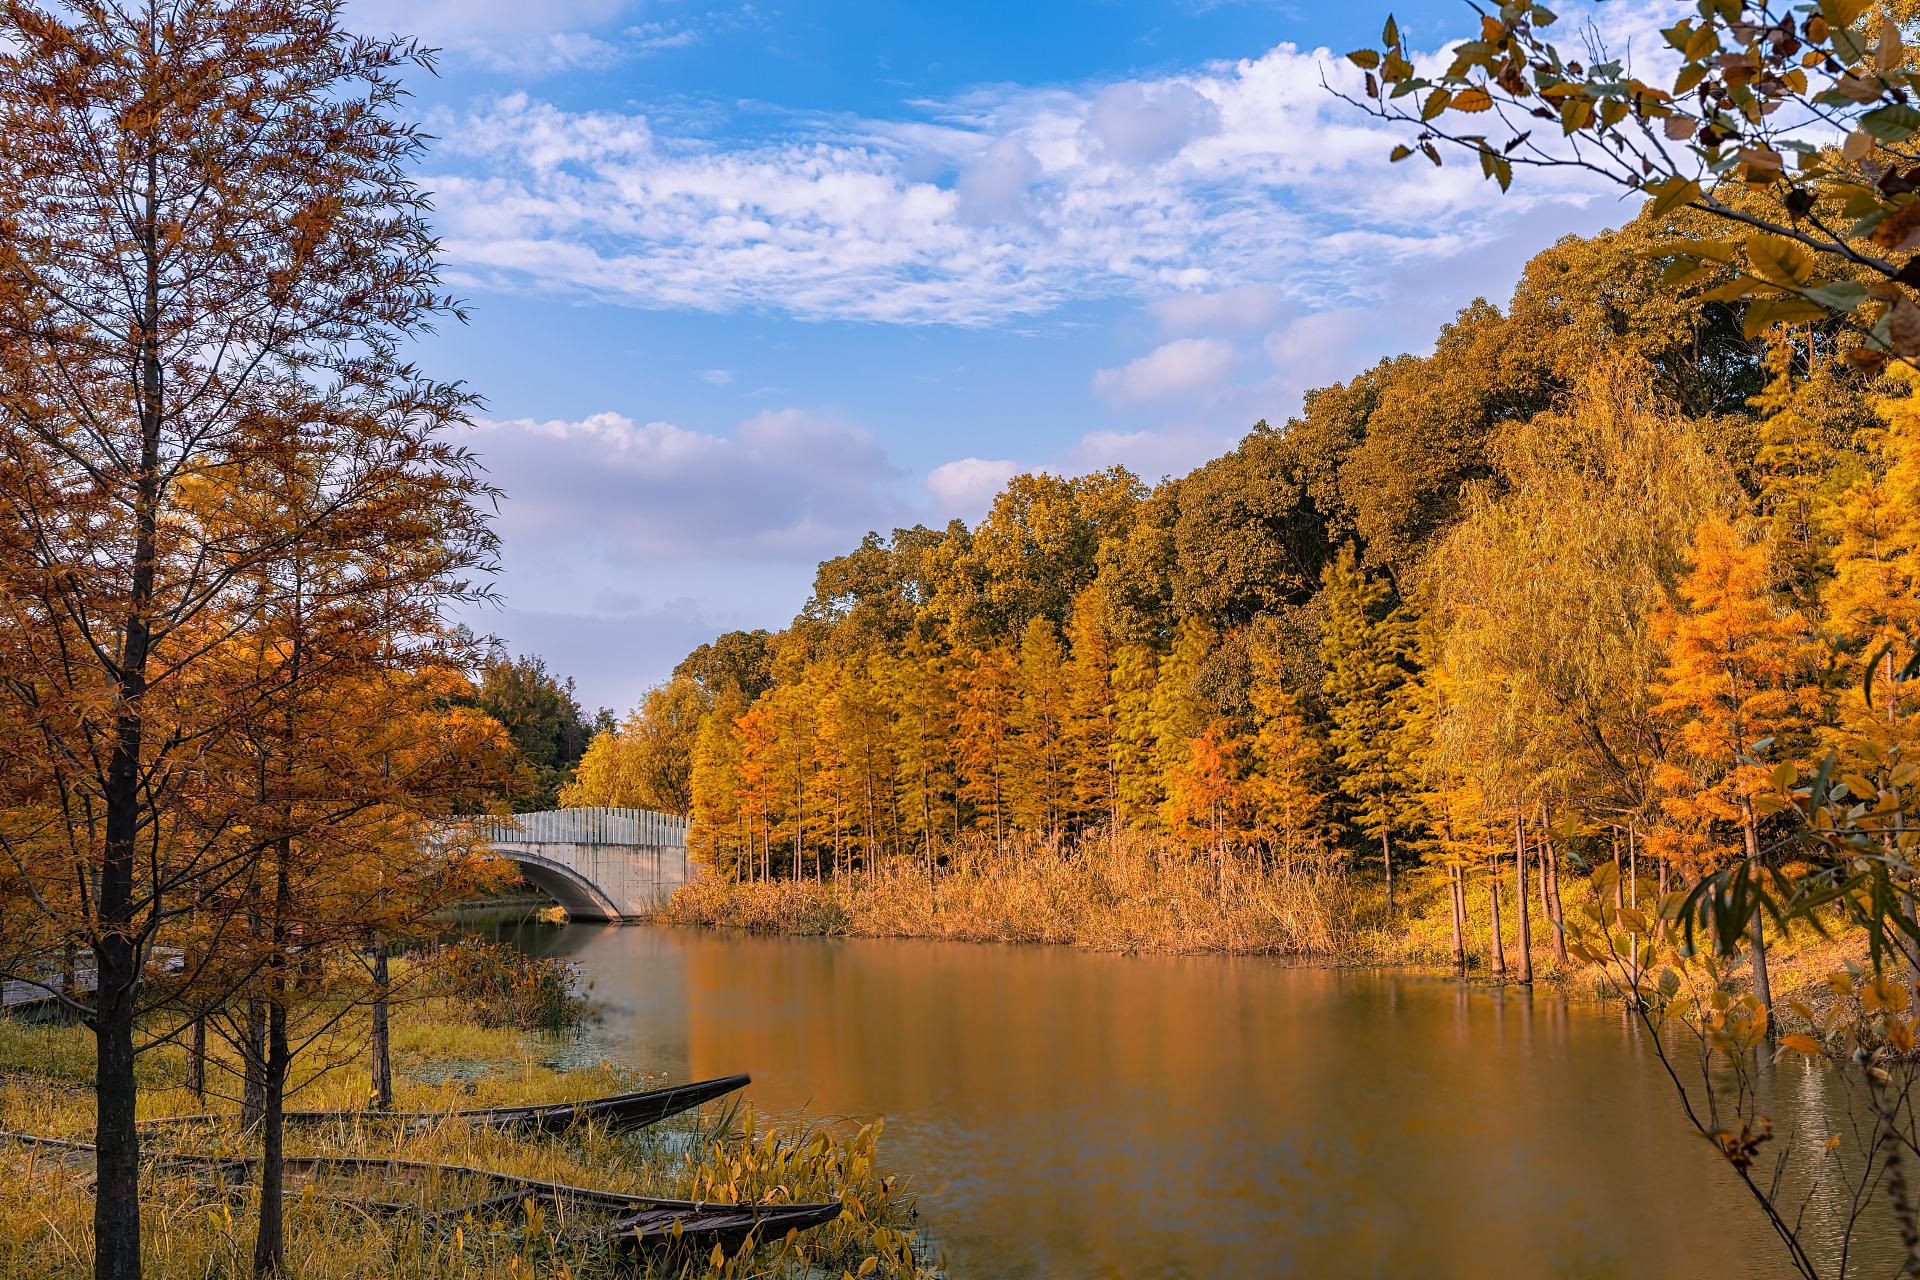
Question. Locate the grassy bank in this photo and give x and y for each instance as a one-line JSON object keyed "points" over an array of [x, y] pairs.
{"points": [[443, 1059], [1139, 895], [1128, 894]]}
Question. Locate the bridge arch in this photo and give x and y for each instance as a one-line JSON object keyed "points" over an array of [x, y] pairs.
{"points": [[598, 863], [566, 886]]}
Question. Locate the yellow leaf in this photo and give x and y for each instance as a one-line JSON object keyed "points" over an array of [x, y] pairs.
{"points": [[1474, 99], [1801, 1044], [1779, 259]]}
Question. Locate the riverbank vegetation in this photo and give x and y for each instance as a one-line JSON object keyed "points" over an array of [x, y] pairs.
{"points": [[444, 1059], [1575, 590]]}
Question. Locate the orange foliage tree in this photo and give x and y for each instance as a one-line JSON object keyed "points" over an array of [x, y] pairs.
{"points": [[1734, 687]]}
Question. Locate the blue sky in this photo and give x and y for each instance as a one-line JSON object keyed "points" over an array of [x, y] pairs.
{"points": [[747, 280]]}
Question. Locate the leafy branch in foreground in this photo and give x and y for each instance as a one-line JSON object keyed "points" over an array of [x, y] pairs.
{"points": [[1795, 124]]}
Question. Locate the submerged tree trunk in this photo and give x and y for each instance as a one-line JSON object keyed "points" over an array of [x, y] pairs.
{"points": [[381, 1096], [1524, 925]]}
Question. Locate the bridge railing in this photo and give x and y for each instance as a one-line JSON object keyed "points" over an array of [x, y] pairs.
{"points": [[585, 826]]}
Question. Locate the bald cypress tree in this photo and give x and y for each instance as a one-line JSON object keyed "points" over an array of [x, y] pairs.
{"points": [[1368, 649]]}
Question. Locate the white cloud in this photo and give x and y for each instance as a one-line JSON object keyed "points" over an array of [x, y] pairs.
{"points": [[1239, 309], [1245, 183], [1184, 366], [1142, 124], [543, 37], [785, 484], [994, 187], [1318, 344], [965, 487], [716, 377]]}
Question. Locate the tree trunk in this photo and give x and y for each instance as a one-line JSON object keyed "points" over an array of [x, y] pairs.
{"points": [[1386, 855], [1496, 948], [1550, 878], [1525, 928], [197, 1059], [1756, 927], [116, 1204], [1619, 881], [269, 1241], [253, 1057], [1633, 871], [1459, 921], [382, 1092]]}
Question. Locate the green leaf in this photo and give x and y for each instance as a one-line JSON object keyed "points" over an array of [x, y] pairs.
{"points": [[1892, 123], [1671, 193], [1764, 313], [1840, 295], [1390, 34]]}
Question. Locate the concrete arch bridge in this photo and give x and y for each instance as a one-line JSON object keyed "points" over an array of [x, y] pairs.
{"points": [[600, 864]]}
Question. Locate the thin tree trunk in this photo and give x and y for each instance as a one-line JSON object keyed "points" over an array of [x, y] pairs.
{"points": [[269, 1241], [1619, 881], [197, 1059], [1633, 871], [1520, 899], [1386, 855], [1756, 927], [381, 1096], [1459, 924], [1550, 878], [1496, 948]]}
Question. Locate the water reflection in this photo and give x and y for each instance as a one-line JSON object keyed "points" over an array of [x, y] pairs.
{"points": [[1068, 1115]]}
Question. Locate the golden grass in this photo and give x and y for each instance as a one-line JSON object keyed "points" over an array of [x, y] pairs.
{"points": [[197, 1230], [1128, 894]]}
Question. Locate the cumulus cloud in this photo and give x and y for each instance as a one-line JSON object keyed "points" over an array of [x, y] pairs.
{"points": [[1183, 366], [994, 187], [1242, 186], [1142, 124], [965, 487]]}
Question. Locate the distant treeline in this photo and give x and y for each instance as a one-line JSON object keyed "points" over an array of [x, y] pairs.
{"points": [[1601, 560]]}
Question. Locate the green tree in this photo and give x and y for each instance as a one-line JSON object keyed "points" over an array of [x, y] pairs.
{"points": [[1367, 646], [542, 718]]}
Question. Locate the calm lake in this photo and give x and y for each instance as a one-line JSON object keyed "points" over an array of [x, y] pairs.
{"points": [[1065, 1114]]}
